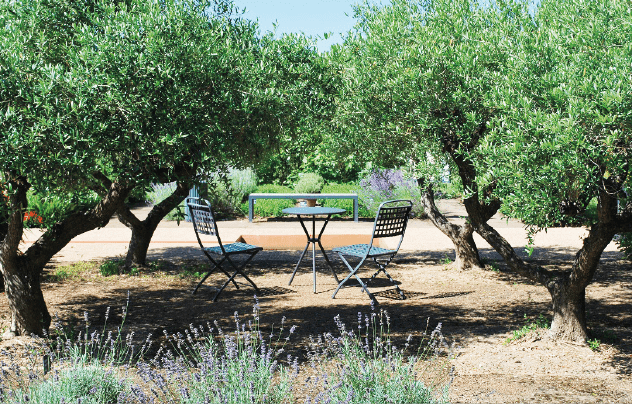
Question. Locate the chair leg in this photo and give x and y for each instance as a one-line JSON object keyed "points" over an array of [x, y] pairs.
{"points": [[216, 265], [352, 272], [382, 268], [238, 271]]}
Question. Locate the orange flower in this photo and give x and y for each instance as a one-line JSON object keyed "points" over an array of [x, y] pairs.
{"points": [[32, 215]]}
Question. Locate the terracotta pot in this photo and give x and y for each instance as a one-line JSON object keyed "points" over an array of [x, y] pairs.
{"points": [[303, 203]]}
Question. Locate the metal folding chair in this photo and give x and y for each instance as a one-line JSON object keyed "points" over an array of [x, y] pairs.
{"points": [[391, 221], [204, 223]]}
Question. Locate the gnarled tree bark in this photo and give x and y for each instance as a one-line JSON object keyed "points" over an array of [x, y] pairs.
{"points": [[143, 231], [567, 288], [467, 256], [22, 271]]}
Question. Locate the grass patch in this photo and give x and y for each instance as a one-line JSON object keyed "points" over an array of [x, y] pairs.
{"points": [[601, 336], [531, 325], [76, 270]]}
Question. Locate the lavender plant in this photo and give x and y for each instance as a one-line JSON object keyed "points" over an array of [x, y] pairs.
{"points": [[365, 367], [86, 384], [206, 365], [243, 182], [383, 185], [160, 192], [85, 368]]}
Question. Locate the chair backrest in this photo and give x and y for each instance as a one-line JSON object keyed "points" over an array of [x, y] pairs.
{"points": [[203, 219], [392, 218]]}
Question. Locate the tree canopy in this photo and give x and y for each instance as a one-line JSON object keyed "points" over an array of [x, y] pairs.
{"points": [[110, 96], [530, 108]]}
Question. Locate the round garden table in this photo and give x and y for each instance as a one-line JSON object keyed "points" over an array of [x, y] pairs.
{"points": [[312, 239]]}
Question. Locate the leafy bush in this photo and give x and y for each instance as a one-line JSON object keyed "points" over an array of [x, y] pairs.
{"points": [[383, 185], [206, 364], [82, 383], [367, 368], [227, 193], [536, 324], [213, 366], [243, 183], [47, 208], [110, 268], [309, 183], [346, 204], [625, 244], [160, 192], [271, 207]]}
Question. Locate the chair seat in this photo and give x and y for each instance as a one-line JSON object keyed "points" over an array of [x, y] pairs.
{"points": [[233, 248], [360, 250]]}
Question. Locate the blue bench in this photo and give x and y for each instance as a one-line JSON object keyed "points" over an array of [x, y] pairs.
{"points": [[253, 197]]}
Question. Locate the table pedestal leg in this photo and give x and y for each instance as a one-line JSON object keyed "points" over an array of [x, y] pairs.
{"points": [[299, 263], [312, 239]]}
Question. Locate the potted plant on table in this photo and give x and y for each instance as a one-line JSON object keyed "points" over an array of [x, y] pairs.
{"points": [[309, 183]]}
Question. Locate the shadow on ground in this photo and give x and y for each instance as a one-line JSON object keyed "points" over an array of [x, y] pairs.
{"points": [[465, 311]]}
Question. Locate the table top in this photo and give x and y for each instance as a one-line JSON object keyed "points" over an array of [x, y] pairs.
{"points": [[313, 211]]}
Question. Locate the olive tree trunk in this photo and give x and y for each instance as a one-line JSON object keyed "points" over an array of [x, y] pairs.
{"points": [[467, 256], [22, 271], [143, 231], [567, 288]]}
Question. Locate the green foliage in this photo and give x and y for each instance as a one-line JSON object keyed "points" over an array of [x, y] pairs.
{"points": [[420, 81], [309, 183], [242, 183], [272, 207], [565, 134], [540, 322], [594, 344], [366, 368], [237, 369], [146, 91], [110, 268], [72, 271], [346, 204], [54, 207], [227, 192], [625, 244], [383, 185], [89, 384], [318, 151]]}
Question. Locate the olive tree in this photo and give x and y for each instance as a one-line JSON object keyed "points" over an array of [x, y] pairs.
{"points": [[248, 90], [532, 110], [100, 95], [564, 141], [421, 82]]}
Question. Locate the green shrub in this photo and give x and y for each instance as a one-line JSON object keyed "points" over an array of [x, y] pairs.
{"points": [[346, 204], [271, 207], [82, 383], [383, 185], [370, 369], [530, 325], [624, 241], [52, 207], [309, 183], [109, 268], [243, 183], [71, 271]]}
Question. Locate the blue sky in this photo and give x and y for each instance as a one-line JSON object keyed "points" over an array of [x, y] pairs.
{"points": [[313, 17]]}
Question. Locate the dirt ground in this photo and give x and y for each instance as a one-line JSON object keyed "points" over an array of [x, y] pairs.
{"points": [[478, 311]]}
